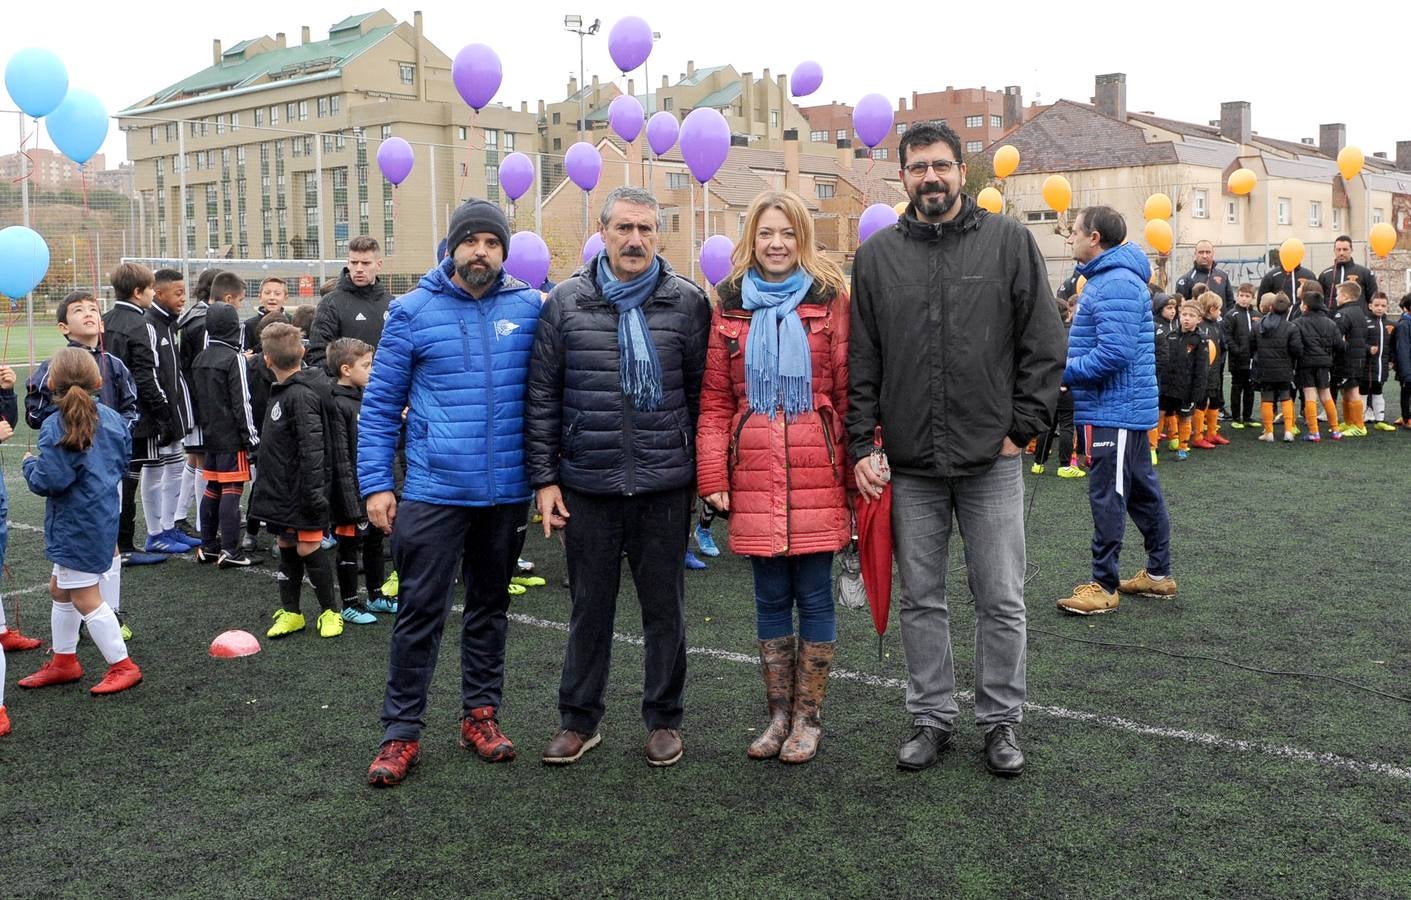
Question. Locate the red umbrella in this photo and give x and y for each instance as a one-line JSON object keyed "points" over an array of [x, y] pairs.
{"points": [[874, 542]]}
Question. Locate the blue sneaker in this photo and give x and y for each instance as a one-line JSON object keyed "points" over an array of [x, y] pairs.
{"points": [[328, 542], [133, 558], [693, 561], [1182, 454], [180, 537], [162, 543], [705, 542], [383, 605], [358, 616]]}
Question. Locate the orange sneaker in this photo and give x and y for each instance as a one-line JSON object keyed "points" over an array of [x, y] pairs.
{"points": [[4, 722], [393, 761], [62, 668], [120, 676], [14, 642], [480, 731], [1217, 439]]}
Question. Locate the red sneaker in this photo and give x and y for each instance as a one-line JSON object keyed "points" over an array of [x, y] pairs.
{"points": [[480, 731], [13, 642], [4, 722], [393, 760], [62, 668], [1218, 438], [1202, 444], [120, 676]]}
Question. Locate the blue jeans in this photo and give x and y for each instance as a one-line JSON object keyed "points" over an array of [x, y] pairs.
{"points": [[783, 582], [989, 509]]}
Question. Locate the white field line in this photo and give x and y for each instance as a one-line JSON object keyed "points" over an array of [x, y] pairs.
{"points": [[1115, 723]]}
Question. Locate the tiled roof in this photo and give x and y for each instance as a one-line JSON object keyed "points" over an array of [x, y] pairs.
{"points": [[1308, 168], [1070, 136], [721, 98], [1214, 154], [701, 75], [1188, 129]]}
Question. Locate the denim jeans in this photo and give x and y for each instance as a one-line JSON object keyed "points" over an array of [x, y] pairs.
{"points": [[783, 582], [990, 511]]}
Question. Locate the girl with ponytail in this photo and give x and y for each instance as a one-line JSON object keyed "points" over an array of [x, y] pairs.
{"points": [[83, 453]]}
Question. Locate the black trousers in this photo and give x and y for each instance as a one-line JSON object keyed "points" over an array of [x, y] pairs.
{"points": [[430, 540], [651, 530], [1241, 395]]}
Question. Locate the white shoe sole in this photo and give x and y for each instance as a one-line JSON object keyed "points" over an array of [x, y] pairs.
{"points": [[1088, 612], [589, 744]]}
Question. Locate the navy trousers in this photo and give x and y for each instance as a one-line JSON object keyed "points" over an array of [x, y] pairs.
{"points": [[1122, 481], [430, 541]]}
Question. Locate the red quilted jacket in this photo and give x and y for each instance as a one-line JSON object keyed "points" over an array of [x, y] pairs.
{"points": [[788, 481]]}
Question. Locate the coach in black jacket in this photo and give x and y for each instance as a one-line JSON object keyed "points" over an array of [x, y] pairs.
{"points": [[1204, 272], [1344, 269], [357, 307]]}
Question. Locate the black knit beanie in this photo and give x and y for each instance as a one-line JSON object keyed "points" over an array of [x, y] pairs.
{"points": [[473, 217]]}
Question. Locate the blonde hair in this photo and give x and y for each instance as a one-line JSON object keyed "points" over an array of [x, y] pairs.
{"points": [[1212, 304], [1193, 306], [825, 272], [1266, 302]]}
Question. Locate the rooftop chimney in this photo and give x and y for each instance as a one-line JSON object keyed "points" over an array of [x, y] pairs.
{"points": [[791, 160], [690, 68], [747, 99], [279, 40], [1403, 156], [304, 35], [572, 85], [215, 52], [1111, 99], [1332, 138], [1234, 121], [845, 154], [631, 87], [1013, 106]]}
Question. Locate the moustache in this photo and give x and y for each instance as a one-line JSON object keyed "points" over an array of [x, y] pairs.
{"points": [[636, 252], [933, 189]]}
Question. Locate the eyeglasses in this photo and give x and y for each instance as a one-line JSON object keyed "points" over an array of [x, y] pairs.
{"points": [[943, 167]]}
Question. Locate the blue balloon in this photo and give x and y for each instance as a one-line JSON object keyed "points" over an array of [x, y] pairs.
{"points": [[79, 126], [24, 258], [36, 80]]}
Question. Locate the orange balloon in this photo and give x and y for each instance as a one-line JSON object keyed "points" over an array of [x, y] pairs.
{"points": [[1382, 238], [1058, 193], [1006, 161], [1350, 161], [1160, 236], [901, 207], [1158, 206], [1241, 181], [1291, 254], [990, 199]]}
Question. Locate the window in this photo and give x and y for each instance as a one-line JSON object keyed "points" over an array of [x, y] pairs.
{"points": [[259, 117], [269, 250], [1285, 212], [667, 103], [460, 132], [195, 129], [407, 71], [274, 115], [264, 153], [235, 121], [557, 118], [996, 122], [173, 129], [1200, 208], [509, 141], [340, 141], [298, 147], [558, 143], [220, 124], [677, 181], [774, 118], [974, 121], [386, 132], [818, 135], [1378, 217], [826, 190], [225, 157], [291, 112], [1315, 214], [154, 134], [492, 139], [902, 126], [264, 184], [842, 134], [335, 103], [1040, 215], [303, 110], [1337, 219], [879, 153], [1232, 212], [327, 143], [240, 155], [322, 107], [161, 168], [974, 146]]}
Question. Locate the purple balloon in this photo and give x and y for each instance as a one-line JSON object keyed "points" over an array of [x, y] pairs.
{"points": [[516, 175], [592, 247], [630, 42], [715, 258], [705, 142], [872, 119], [625, 115], [528, 258], [662, 131], [584, 164], [875, 218], [395, 159], [807, 78], [476, 74]]}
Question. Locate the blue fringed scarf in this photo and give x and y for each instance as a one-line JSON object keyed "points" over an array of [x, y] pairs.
{"points": [[638, 363], [778, 367]]}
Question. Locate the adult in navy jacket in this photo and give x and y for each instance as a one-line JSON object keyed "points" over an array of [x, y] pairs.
{"points": [[455, 355], [614, 391], [1111, 373]]}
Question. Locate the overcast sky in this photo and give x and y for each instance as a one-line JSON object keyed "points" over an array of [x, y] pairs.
{"points": [[1182, 60]]}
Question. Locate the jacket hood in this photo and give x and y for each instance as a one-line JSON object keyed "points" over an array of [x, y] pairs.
{"points": [[223, 324], [438, 281], [195, 311], [1123, 256]]}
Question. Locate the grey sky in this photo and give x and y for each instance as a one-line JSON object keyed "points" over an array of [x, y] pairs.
{"points": [[1181, 60]]}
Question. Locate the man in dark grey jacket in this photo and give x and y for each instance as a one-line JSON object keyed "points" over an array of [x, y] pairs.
{"points": [[610, 420], [956, 352], [357, 307]]}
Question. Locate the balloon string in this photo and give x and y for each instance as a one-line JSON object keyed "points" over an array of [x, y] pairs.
{"points": [[465, 166], [29, 170]]}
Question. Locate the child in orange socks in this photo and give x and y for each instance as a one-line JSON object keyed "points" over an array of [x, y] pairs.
{"points": [[1352, 320], [1321, 344], [1379, 333], [1164, 307], [1206, 434], [1182, 376], [83, 454], [1277, 346]]}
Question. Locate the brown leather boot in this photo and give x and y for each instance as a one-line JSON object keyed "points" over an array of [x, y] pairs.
{"points": [[810, 684], [776, 662]]}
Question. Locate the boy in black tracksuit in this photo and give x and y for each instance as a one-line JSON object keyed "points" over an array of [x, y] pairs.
{"points": [[299, 450], [1322, 342], [1378, 363], [1182, 376], [161, 480], [1277, 345], [129, 338], [1206, 434], [220, 375], [1238, 327], [350, 364], [1063, 424], [1351, 318], [1401, 342]]}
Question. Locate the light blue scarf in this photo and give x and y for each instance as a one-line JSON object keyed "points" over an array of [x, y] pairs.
{"points": [[778, 367], [638, 364]]}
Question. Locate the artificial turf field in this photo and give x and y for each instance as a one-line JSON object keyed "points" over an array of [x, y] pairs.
{"points": [[1147, 775]]}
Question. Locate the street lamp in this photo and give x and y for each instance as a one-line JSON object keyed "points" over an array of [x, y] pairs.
{"points": [[574, 24], [647, 74]]}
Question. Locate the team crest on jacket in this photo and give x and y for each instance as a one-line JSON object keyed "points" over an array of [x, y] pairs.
{"points": [[275, 412], [505, 328]]}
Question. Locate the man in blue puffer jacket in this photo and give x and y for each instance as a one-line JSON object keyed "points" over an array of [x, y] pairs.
{"points": [[1111, 373], [455, 356]]}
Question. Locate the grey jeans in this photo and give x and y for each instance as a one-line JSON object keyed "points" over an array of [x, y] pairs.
{"points": [[990, 511]]}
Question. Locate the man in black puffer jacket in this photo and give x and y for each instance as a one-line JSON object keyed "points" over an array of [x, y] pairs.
{"points": [[610, 419], [357, 308]]}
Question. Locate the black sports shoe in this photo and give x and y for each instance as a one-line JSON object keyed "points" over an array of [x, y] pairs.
{"points": [[204, 555], [232, 561]]}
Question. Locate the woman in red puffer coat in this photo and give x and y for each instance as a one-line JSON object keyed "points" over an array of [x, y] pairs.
{"points": [[770, 451]]}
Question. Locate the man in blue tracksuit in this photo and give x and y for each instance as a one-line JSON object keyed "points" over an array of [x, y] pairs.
{"points": [[1111, 373], [455, 356]]}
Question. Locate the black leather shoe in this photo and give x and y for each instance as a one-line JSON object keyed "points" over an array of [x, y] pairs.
{"points": [[1002, 754], [921, 749]]}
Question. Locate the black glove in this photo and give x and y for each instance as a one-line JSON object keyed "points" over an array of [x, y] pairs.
{"points": [[168, 434]]}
